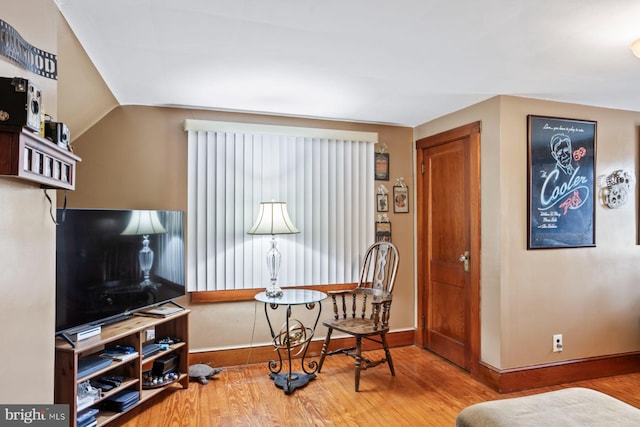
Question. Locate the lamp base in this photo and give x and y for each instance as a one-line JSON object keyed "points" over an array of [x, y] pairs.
{"points": [[273, 264], [273, 292]]}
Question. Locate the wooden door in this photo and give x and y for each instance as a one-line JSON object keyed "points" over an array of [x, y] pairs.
{"points": [[448, 213]]}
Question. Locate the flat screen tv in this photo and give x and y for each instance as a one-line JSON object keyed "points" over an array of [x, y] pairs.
{"points": [[100, 264]]}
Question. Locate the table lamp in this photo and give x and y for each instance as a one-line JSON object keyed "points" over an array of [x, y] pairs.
{"points": [[144, 223], [273, 219]]}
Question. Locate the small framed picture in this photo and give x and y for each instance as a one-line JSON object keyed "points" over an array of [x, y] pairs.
{"points": [[382, 204], [383, 232], [382, 167], [400, 199]]}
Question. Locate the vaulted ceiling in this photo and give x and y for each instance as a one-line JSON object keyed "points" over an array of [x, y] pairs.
{"points": [[401, 62]]}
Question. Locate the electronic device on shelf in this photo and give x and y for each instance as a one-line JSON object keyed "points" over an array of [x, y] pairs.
{"points": [[58, 133], [112, 381], [121, 401], [167, 340], [99, 278], [101, 386], [165, 364], [151, 349], [89, 365], [20, 103]]}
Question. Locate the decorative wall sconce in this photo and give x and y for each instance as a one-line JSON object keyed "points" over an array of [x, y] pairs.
{"points": [[616, 188]]}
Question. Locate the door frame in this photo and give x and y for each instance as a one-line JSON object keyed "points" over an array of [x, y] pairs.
{"points": [[472, 318]]}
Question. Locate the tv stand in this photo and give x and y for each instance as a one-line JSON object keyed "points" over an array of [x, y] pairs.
{"points": [[131, 332]]}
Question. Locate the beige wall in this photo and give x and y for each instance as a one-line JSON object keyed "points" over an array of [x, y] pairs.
{"points": [[488, 113], [136, 158], [87, 99], [27, 245], [590, 295]]}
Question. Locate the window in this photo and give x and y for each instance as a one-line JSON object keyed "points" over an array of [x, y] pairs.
{"points": [[327, 179]]}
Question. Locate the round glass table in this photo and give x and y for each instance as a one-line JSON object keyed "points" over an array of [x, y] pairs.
{"points": [[292, 336]]}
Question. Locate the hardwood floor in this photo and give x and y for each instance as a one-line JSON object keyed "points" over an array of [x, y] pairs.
{"points": [[426, 391]]}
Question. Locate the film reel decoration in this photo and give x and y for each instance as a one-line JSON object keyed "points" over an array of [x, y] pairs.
{"points": [[618, 186]]}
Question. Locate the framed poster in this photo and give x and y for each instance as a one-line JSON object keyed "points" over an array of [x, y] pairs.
{"points": [[382, 167], [383, 231], [561, 182], [400, 199], [382, 202]]}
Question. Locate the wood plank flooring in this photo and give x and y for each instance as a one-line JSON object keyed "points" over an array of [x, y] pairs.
{"points": [[426, 391]]}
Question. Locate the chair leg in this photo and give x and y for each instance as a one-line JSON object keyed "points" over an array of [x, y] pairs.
{"points": [[358, 357], [388, 354], [325, 348]]}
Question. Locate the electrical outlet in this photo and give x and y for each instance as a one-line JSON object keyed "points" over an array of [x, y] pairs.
{"points": [[150, 334], [557, 343]]}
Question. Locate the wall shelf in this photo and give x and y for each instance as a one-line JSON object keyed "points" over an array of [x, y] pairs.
{"points": [[26, 155]]}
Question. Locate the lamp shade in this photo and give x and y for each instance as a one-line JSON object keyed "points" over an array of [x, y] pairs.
{"points": [[273, 218], [143, 223], [635, 48]]}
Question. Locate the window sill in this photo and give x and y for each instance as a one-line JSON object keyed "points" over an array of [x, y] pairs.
{"points": [[249, 294]]}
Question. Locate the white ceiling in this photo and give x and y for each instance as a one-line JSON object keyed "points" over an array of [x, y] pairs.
{"points": [[383, 61]]}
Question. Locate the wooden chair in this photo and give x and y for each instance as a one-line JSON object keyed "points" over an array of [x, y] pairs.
{"points": [[364, 311]]}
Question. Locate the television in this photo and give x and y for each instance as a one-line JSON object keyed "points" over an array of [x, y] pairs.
{"points": [[101, 276]]}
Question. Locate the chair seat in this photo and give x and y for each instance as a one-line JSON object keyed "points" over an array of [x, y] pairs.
{"points": [[354, 326]]}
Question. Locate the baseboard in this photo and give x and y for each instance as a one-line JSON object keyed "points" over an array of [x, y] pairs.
{"points": [[264, 353], [545, 375]]}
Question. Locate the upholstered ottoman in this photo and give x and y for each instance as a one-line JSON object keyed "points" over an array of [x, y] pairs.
{"points": [[569, 407]]}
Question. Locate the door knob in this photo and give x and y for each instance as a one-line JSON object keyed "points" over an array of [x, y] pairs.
{"points": [[465, 260]]}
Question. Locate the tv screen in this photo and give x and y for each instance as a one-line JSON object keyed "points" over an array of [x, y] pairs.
{"points": [[111, 263]]}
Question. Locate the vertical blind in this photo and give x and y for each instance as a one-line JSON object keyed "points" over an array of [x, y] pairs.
{"points": [[325, 177]]}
